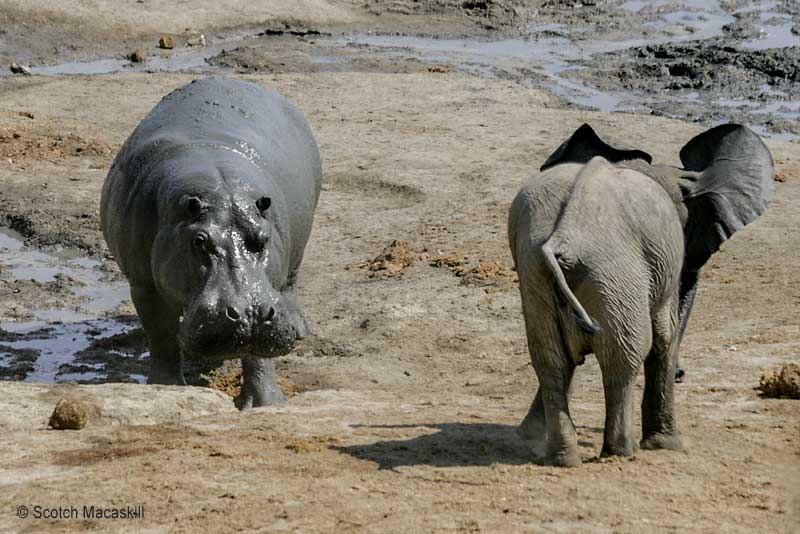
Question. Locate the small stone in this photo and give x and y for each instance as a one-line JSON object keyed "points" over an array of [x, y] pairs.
{"points": [[166, 42], [138, 56], [16, 68], [70, 413], [200, 40]]}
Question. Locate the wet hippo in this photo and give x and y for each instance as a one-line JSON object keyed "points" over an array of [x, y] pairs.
{"points": [[207, 209]]}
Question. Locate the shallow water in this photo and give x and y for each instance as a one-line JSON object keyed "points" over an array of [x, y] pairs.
{"points": [[57, 335]]}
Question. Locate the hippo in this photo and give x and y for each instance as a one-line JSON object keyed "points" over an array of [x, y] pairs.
{"points": [[207, 209]]}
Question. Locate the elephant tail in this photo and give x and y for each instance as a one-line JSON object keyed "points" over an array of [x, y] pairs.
{"points": [[586, 323]]}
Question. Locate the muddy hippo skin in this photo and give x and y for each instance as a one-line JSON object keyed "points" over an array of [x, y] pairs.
{"points": [[207, 209], [607, 247]]}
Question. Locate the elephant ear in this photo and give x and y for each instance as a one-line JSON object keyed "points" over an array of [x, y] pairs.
{"points": [[730, 186], [584, 144]]}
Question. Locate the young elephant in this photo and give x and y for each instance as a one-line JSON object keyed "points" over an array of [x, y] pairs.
{"points": [[608, 248]]}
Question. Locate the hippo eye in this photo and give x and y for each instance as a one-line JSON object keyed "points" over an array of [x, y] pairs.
{"points": [[263, 204]]}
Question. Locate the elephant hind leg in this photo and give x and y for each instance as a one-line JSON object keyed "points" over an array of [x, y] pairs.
{"points": [[659, 430], [554, 372], [618, 385], [620, 357], [562, 439], [533, 429]]}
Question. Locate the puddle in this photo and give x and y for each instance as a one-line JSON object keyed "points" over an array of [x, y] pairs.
{"points": [[550, 55], [179, 59], [183, 60], [53, 346], [775, 27]]}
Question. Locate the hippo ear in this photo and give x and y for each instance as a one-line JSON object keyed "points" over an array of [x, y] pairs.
{"points": [[730, 186], [585, 144], [263, 204], [194, 205]]}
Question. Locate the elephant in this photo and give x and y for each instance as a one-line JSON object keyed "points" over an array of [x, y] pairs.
{"points": [[608, 248]]}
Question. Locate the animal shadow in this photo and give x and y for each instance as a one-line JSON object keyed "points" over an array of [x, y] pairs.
{"points": [[455, 444]]}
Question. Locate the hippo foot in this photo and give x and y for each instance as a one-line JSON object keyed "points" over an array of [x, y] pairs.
{"points": [[260, 385], [264, 398]]}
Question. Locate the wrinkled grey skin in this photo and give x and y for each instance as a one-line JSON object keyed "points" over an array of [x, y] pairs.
{"points": [[608, 248], [207, 209]]}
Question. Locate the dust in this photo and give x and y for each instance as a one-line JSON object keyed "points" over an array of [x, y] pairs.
{"points": [[784, 384]]}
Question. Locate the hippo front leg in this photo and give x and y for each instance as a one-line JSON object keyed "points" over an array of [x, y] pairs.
{"points": [[260, 383], [161, 325]]}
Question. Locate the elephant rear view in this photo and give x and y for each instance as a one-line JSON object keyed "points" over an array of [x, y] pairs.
{"points": [[602, 241]]}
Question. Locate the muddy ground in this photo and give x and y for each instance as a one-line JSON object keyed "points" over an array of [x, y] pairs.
{"points": [[402, 410]]}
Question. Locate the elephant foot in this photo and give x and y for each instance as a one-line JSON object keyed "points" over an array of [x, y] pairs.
{"points": [[662, 441], [532, 430], [538, 447], [626, 450], [563, 459]]}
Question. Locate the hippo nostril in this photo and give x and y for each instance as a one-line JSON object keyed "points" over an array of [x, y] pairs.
{"points": [[232, 314]]}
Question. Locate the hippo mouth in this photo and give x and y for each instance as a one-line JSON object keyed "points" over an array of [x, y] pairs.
{"points": [[269, 342]]}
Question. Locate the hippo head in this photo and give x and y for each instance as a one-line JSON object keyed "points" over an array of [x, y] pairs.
{"points": [[220, 258]]}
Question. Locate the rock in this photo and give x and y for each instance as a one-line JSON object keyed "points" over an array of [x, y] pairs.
{"points": [[166, 42], [71, 413], [20, 69], [138, 56], [25, 405], [200, 40]]}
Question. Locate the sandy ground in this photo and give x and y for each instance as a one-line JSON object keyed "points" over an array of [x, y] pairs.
{"points": [[406, 418]]}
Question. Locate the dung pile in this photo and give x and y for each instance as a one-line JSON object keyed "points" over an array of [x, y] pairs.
{"points": [[784, 384], [395, 258]]}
